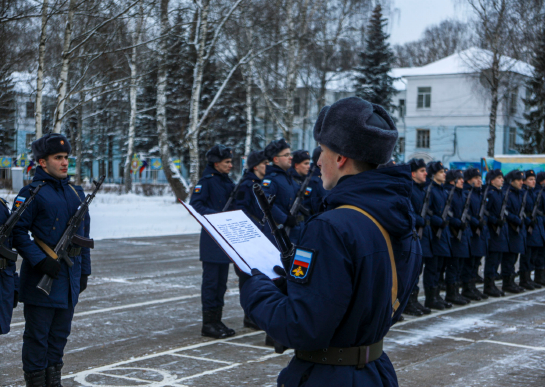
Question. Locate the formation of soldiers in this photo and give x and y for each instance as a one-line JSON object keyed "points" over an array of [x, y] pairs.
{"points": [[462, 223]]}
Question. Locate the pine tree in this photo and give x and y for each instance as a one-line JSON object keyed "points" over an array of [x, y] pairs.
{"points": [[533, 132], [373, 83]]}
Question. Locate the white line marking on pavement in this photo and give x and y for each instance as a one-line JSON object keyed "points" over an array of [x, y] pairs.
{"points": [[209, 372], [250, 346], [201, 358], [528, 302]]}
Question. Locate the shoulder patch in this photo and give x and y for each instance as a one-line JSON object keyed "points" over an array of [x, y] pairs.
{"points": [[197, 189], [266, 183], [301, 267], [19, 201], [273, 174], [308, 191], [208, 176]]}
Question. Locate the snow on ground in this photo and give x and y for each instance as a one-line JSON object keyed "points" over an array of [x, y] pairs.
{"points": [[131, 215]]}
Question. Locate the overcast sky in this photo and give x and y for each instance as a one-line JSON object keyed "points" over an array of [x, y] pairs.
{"points": [[413, 16]]}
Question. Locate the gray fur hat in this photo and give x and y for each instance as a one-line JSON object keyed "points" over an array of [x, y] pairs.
{"points": [[50, 144]]}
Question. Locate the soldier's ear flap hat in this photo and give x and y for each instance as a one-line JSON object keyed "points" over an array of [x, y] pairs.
{"points": [[493, 174], [416, 164], [515, 175], [529, 173], [454, 174], [254, 159], [50, 144], [300, 156], [540, 177], [218, 153], [316, 154], [357, 129], [275, 147], [434, 167], [471, 173]]}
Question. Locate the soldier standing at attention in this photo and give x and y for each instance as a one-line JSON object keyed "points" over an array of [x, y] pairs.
{"points": [[341, 298], [317, 191], [48, 319], [300, 165], [9, 280], [209, 197], [539, 262]]}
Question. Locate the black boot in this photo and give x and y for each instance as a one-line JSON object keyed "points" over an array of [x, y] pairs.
{"points": [[447, 304], [411, 308], [510, 286], [230, 332], [540, 277], [453, 296], [476, 290], [210, 326], [479, 279], [525, 281], [467, 292], [442, 284], [35, 379], [53, 375], [431, 301], [533, 283], [422, 308], [490, 288], [248, 323]]}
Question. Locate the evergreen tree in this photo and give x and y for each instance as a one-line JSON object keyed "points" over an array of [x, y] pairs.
{"points": [[373, 83], [533, 132]]}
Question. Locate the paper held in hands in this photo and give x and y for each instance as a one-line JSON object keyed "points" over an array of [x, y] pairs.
{"points": [[241, 240]]}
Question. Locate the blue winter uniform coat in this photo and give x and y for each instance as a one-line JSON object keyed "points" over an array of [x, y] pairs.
{"points": [[477, 243], [209, 197], [246, 201], [46, 218], [438, 199], [517, 241], [8, 280], [347, 300], [459, 249], [537, 237], [497, 243], [418, 194], [316, 192]]}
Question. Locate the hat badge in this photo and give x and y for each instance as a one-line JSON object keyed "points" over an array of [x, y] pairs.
{"points": [[62, 142]]}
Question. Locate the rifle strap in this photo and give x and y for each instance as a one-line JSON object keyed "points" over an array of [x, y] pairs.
{"points": [[395, 300], [46, 248], [76, 192]]}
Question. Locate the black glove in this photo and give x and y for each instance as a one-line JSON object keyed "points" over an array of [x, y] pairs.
{"points": [[444, 224], [291, 221], [463, 226], [482, 223], [242, 277], [281, 282], [15, 299], [83, 283], [49, 266]]}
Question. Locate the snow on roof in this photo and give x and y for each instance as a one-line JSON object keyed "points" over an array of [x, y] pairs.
{"points": [[25, 83]]}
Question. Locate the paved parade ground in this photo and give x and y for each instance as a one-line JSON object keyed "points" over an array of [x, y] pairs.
{"points": [[138, 324]]}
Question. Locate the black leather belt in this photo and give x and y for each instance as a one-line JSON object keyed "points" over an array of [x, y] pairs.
{"points": [[352, 356]]}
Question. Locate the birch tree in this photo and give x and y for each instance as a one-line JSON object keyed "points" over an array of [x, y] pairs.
{"points": [[40, 75]]}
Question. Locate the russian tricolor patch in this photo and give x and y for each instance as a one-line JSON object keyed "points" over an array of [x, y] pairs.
{"points": [[301, 265], [266, 183], [198, 188]]}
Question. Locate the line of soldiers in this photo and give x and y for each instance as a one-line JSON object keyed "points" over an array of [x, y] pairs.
{"points": [[281, 173], [460, 221]]}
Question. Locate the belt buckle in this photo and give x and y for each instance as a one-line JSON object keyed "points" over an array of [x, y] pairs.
{"points": [[363, 357]]}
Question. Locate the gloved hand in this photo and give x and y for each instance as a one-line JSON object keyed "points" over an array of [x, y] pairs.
{"points": [[291, 221], [242, 277], [444, 224], [15, 299], [49, 266], [83, 283], [482, 223], [281, 282]]}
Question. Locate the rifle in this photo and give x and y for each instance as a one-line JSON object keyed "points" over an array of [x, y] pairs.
{"points": [[503, 211], [522, 212], [6, 229], [482, 210], [424, 212], [465, 215], [535, 211], [233, 193], [298, 202], [69, 237], [446, 211]]}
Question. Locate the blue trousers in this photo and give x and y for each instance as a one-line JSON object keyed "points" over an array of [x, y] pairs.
{"points": [[46, 334], [452, 270], [508, 262], [432, 270], [470, 268], [214, 284], [491, 263], [528, 260], [539, 262]]}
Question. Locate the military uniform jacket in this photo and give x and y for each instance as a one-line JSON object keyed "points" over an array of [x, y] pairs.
{"points": [[438, 199], [418, 194], [46, 218], [209, 197], [497, 243], [315, 192], [347, 299], [459, 249], [517, 241], [477, 243], [537, 237], [246, 201], [8, 280]]}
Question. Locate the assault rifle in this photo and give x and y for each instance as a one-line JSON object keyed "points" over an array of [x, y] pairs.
{"points": [[482, 210], [298, 202], [465, 215], [446, 211], [522, 212], [6, 229], [503, 211], [70, 238], [424, 212], [535, 211], [234, 193]]}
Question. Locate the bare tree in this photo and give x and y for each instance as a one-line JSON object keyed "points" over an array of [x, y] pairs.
{"points": [[40, 76]]}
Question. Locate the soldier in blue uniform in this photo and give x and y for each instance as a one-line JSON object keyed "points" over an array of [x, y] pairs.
{"points": [[300, 165], [209, 197], [48, 318], [535, 238], [440, 246], [317, 191], [517, 239], [539, 259], [459, 248], [478, 239], [418, 194], [9, 280], [339, 301]]}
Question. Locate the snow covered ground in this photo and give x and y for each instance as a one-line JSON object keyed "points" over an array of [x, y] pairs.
{"points": [[130, 215]]}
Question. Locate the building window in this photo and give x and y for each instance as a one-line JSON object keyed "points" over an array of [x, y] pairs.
{"points": [[401, 146], [512, 138], [422, 138], [30, 110], [513, 101], [28, 140], [402, 108], [297, 106], [424, 98]]}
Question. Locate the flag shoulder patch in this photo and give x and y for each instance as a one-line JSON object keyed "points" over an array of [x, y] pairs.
{"points": [[302, 264]]}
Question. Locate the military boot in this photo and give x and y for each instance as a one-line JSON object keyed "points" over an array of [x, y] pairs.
{"points": [[540, 277], [248, 323], [414, 296], [533, 283], [525, 281], [490, 288], [479, 279], [210, 327], [453, 296], [431, 301], [35, 379], [53, 375], [467, 292], [411, 308], [476, 290], [510, 286], [230, 332], [447, 304]]}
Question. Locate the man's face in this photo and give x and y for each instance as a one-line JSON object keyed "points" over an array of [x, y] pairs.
{"points": [[303, 167], [56, 165], [261, 168], [224, 166], [440, 177], [328, 165], [530, 182], [283, 159], [419, 176], [517, 183], [459, 183], [476, 182], [497, 182], [542, 183]]}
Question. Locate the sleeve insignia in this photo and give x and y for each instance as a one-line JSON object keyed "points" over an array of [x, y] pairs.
{"points": [[302, 265], [197, 188], [20, 200], [308, 191], [266, 183]]}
